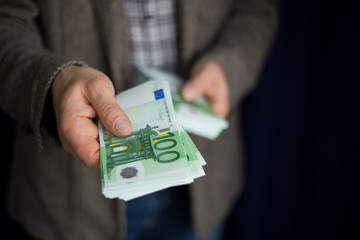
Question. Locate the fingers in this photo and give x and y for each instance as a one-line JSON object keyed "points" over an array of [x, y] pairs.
{"points": [[196, 87], [79, 138], [209, 80], [220, 103]]}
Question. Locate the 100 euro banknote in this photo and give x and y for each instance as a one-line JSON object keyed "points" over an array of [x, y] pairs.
{"points": [[153, 156]]}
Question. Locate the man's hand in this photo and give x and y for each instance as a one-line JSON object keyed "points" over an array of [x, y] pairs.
{"points": [[79, 95], [208, 79]]}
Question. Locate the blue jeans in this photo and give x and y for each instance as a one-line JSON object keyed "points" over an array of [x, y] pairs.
{"points": [[163, 215]]}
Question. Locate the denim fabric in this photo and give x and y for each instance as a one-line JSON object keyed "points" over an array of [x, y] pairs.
{"points": [[163, 215]]}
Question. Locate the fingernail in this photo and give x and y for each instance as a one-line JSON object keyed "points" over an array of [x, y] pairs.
{"points": [[121, 125], [189, 93]]}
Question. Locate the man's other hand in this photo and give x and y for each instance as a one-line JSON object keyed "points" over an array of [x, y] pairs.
{"points": [[208, 79]]}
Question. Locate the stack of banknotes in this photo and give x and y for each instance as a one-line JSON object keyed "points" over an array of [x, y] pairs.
{"points": [[157, 154], [197, 117]]}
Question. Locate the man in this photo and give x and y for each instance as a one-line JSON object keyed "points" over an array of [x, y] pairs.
{"points": [[62, 61]]}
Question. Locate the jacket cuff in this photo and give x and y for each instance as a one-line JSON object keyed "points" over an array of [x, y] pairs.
{"points": [[45, 123]]}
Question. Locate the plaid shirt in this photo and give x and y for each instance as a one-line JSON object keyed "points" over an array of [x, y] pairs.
{"points": [[152, 31]]}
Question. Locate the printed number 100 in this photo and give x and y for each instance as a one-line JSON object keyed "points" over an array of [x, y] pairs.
{"points": [[164, 144]]}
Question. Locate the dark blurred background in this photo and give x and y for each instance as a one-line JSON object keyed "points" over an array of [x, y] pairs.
{"points": [[302, 134]]}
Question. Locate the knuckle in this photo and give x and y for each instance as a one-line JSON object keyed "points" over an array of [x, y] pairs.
{"points": [[65, 130], [92, 162], [100, 85], [67, 148], [89, 164], [90, 158], [107, 110], [77, 147], [65, 144]]}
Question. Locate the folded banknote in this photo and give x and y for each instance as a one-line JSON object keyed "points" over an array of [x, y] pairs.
{"points": [[197, 117]]}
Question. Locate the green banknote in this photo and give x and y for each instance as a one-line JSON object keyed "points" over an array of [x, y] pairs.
{"points": [[156, 155], [196, 117]]}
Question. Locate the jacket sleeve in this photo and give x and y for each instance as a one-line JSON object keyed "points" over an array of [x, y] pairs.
{"points": [[243, 44], [26, 67]]}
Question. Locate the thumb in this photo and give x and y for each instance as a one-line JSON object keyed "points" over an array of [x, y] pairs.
{"points": [[109, 111]]}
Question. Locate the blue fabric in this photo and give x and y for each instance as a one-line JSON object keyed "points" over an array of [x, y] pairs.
{"points": [[163, 215]]}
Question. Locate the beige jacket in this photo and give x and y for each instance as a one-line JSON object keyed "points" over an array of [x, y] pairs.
{"points": [[51, 193]]}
